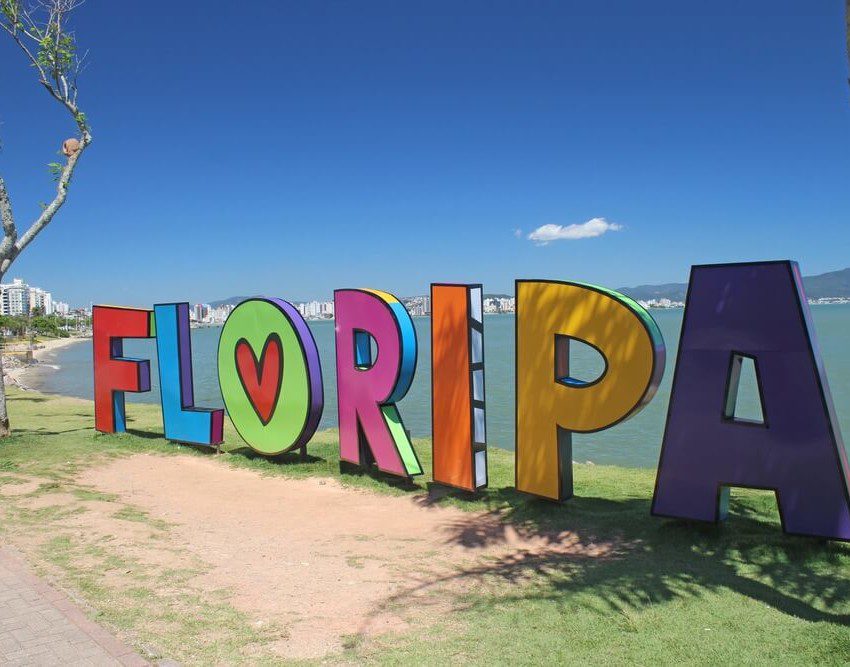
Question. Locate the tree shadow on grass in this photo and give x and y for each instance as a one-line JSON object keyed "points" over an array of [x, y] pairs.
{"points": [[145, 435], [647, 560], [41, 431], [624, 556], [28, 398]]}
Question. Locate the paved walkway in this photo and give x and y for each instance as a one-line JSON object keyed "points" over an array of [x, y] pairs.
{"points": [[39, 625]]}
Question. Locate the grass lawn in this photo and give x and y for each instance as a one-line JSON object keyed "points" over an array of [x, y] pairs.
{"points": [[671, 592]]}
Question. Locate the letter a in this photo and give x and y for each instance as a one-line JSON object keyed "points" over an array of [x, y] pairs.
{"points": [[756, 311]]}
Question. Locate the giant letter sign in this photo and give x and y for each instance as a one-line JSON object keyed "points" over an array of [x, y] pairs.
{"points": [[270, 375], [181, 420], [370, 427], [759, 311], [113, 374], [551, 405], [457, 386]]}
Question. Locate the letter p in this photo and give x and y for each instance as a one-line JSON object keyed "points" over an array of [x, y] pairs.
{"points": [[551, 403]]}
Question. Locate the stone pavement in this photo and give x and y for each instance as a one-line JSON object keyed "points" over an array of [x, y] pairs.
{"points": [[39, 625]]}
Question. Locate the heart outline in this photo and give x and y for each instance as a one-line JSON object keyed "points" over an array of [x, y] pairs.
{"points": [[259, 371]]}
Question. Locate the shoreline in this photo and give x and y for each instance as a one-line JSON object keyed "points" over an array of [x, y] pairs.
{"points": [[15, 370]]}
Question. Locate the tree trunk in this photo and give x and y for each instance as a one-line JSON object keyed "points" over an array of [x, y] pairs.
{"points": [[5, 430]]}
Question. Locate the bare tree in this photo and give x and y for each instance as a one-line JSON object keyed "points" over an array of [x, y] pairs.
{"points": [[41, 32]]}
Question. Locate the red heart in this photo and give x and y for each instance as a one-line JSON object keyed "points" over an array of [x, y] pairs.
{"points": [[261, 379]]}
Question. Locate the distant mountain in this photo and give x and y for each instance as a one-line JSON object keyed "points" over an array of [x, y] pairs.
{"points": [[672, 291], [232, 301], [832, 284]]}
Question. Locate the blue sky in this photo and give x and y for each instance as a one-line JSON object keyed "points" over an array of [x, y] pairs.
{"points": [[292, 148]]}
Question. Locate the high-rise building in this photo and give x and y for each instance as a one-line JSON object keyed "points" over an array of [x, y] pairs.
{"points": [[41, 299], [14, 298], [201, 312], [19, 298]]}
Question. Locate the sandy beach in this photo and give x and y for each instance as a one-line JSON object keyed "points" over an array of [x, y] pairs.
{"points": [[15, 371]]}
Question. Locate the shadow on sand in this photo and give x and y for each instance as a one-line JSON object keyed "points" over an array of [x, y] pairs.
{"points": [[617, 552]]}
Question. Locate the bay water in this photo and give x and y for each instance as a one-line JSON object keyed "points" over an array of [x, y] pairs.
{"points": [[635, 442]]}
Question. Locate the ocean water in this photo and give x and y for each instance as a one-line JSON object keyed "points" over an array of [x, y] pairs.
{"points": [[635, 442]]}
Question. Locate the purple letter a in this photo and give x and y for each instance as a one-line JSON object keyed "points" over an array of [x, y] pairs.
{"points": [[756, 311]]}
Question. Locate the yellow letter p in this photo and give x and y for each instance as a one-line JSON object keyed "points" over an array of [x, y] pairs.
{"points": [[551, 404]]}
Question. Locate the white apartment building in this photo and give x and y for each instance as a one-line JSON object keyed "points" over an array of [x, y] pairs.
{"points": [[500, 305], [316, 310], [19, 298], [14, 298], [201, 312], [41, 299]]}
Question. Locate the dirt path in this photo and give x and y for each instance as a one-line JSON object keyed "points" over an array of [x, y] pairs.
{"points": [[326, 562]]}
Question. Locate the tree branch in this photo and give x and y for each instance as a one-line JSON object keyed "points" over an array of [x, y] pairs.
{"points": [[49, 56], [10, 232], [16, 247], [54, 56], [14, 33]]}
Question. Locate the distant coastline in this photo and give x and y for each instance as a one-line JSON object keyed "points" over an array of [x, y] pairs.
{"points": [[674, 305], [16, 370]]}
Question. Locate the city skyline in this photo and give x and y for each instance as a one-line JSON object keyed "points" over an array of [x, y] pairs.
{"points": [[827, 288], [20, 298]]}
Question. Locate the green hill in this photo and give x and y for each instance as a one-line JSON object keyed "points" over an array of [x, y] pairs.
{"points": [[831, 284]]}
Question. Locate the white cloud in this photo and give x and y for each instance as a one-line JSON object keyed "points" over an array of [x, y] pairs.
{"points": [[586, 230], [518, 233]]}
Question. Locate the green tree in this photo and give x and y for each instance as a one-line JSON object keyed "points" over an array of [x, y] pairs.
{"points": [[41, 32], [7, 323]]}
